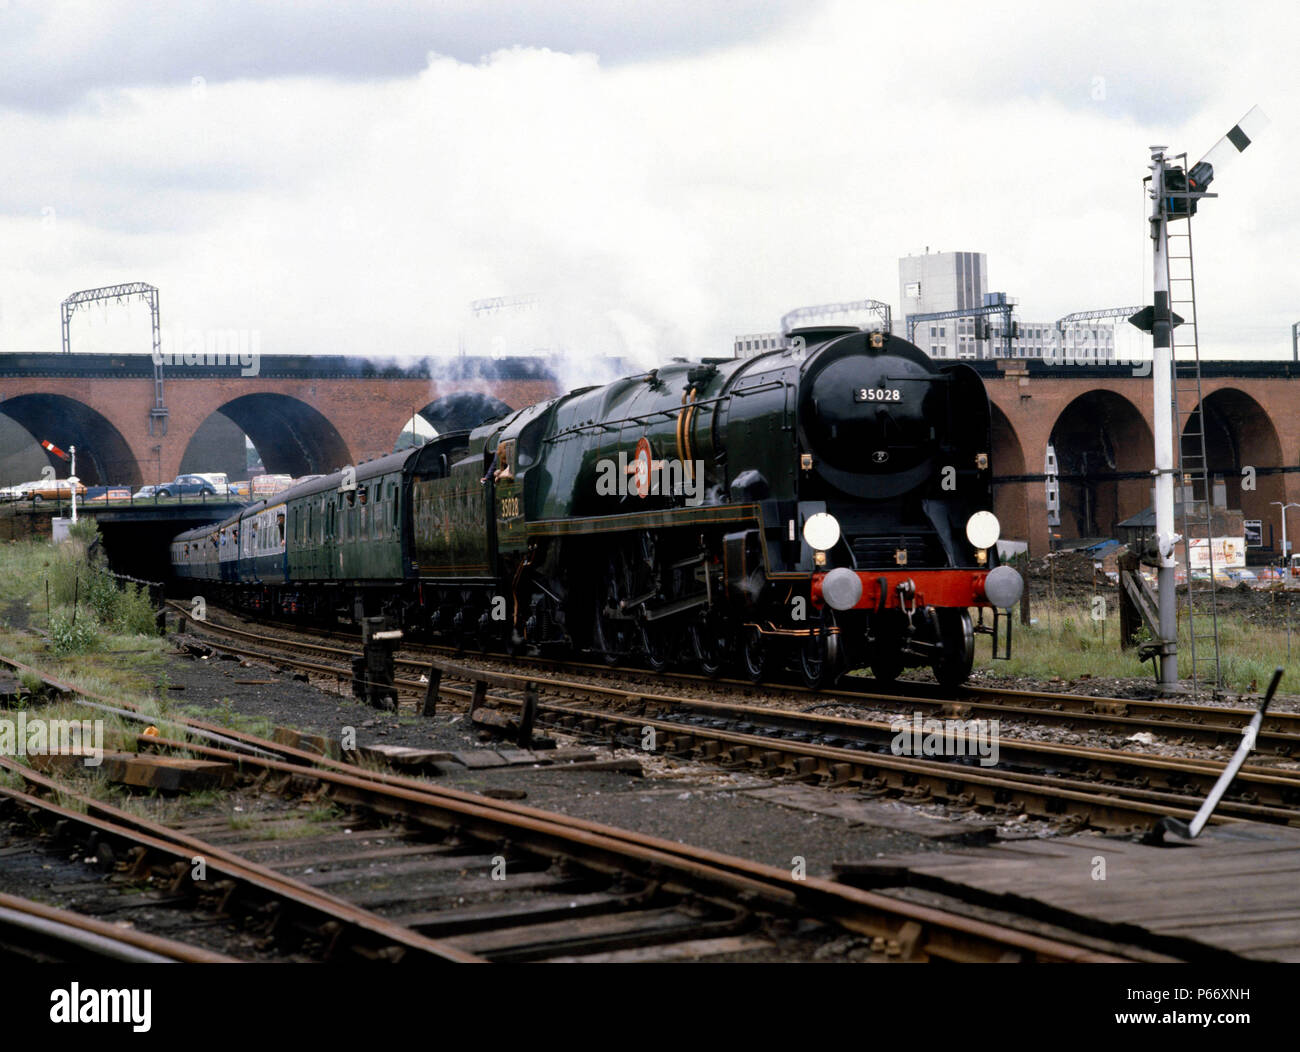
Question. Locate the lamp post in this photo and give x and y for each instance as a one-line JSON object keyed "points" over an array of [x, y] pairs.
{"points": [[1285, 547]]}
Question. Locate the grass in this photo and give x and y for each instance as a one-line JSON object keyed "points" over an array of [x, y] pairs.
{"points": [[101, 638], [226, 716], [1068, 643], [52, 581], [288, 828]]}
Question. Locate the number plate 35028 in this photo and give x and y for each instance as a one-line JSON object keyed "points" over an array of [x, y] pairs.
{"points": [[877, 394]]}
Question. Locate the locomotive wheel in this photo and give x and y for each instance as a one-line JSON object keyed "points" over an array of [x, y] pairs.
{"points": [[711, 643], [754, 654], [957, 640], [819, 656], [656, 641]]}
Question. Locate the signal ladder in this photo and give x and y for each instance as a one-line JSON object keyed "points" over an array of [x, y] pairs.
{"points": [[1194, 492]]}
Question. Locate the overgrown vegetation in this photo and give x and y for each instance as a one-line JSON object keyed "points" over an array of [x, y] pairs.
{"points": [[100, 638], [1066, 641], [68, 636], [79, 576]]}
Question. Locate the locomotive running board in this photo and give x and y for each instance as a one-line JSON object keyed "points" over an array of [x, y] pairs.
{"points": [[1189, 831]]}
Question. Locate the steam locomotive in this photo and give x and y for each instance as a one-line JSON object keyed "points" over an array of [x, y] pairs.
{"points": [[815, 509]]}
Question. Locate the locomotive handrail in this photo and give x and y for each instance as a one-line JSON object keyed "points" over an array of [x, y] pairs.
{"points": [[639, 419], [644, 417]]}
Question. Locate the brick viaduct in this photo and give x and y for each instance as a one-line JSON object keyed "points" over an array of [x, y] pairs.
{"points": [[308, 414], [304, 414]]}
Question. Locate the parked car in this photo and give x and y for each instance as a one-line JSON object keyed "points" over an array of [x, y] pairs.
{"points": [[1240, 575], [51, 489], [1270, 574], [100, 494], [185, 486], [243, 490], [14, 492], [145, 491]]}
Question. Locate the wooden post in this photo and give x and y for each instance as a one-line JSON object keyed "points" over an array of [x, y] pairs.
{"points": [[480, 696], [527, 715], [1024, 603], [431, 691]]}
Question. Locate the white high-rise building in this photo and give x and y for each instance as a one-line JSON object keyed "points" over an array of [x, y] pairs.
{"points": [[935, 282], [750, 344]]}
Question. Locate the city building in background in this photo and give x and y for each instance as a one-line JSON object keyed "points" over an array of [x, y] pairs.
{"points": [[946, 282], [759, 343]]}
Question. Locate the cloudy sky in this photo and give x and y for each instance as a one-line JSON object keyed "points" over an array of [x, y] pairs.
{"points": [[345, 176]]}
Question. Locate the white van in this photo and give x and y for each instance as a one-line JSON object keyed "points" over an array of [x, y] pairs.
{"points": [[219, 479]]}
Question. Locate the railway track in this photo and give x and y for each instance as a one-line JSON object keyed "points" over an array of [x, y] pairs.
{"points": [[1211, 726], [416, 878], [43, 934], [1072, 785]]}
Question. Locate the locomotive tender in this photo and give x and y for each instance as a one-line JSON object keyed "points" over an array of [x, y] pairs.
{"points": [[825, 506]]}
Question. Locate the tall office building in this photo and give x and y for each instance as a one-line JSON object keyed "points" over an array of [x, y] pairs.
{"points": [[942, 281], [748, 345], [939, 281], [935, 282]]}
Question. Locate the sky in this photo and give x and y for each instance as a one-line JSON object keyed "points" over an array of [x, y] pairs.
{"points": [[345, 176]]}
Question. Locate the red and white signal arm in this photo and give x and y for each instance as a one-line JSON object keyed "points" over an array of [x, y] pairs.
{"points": [[641, 466]]}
